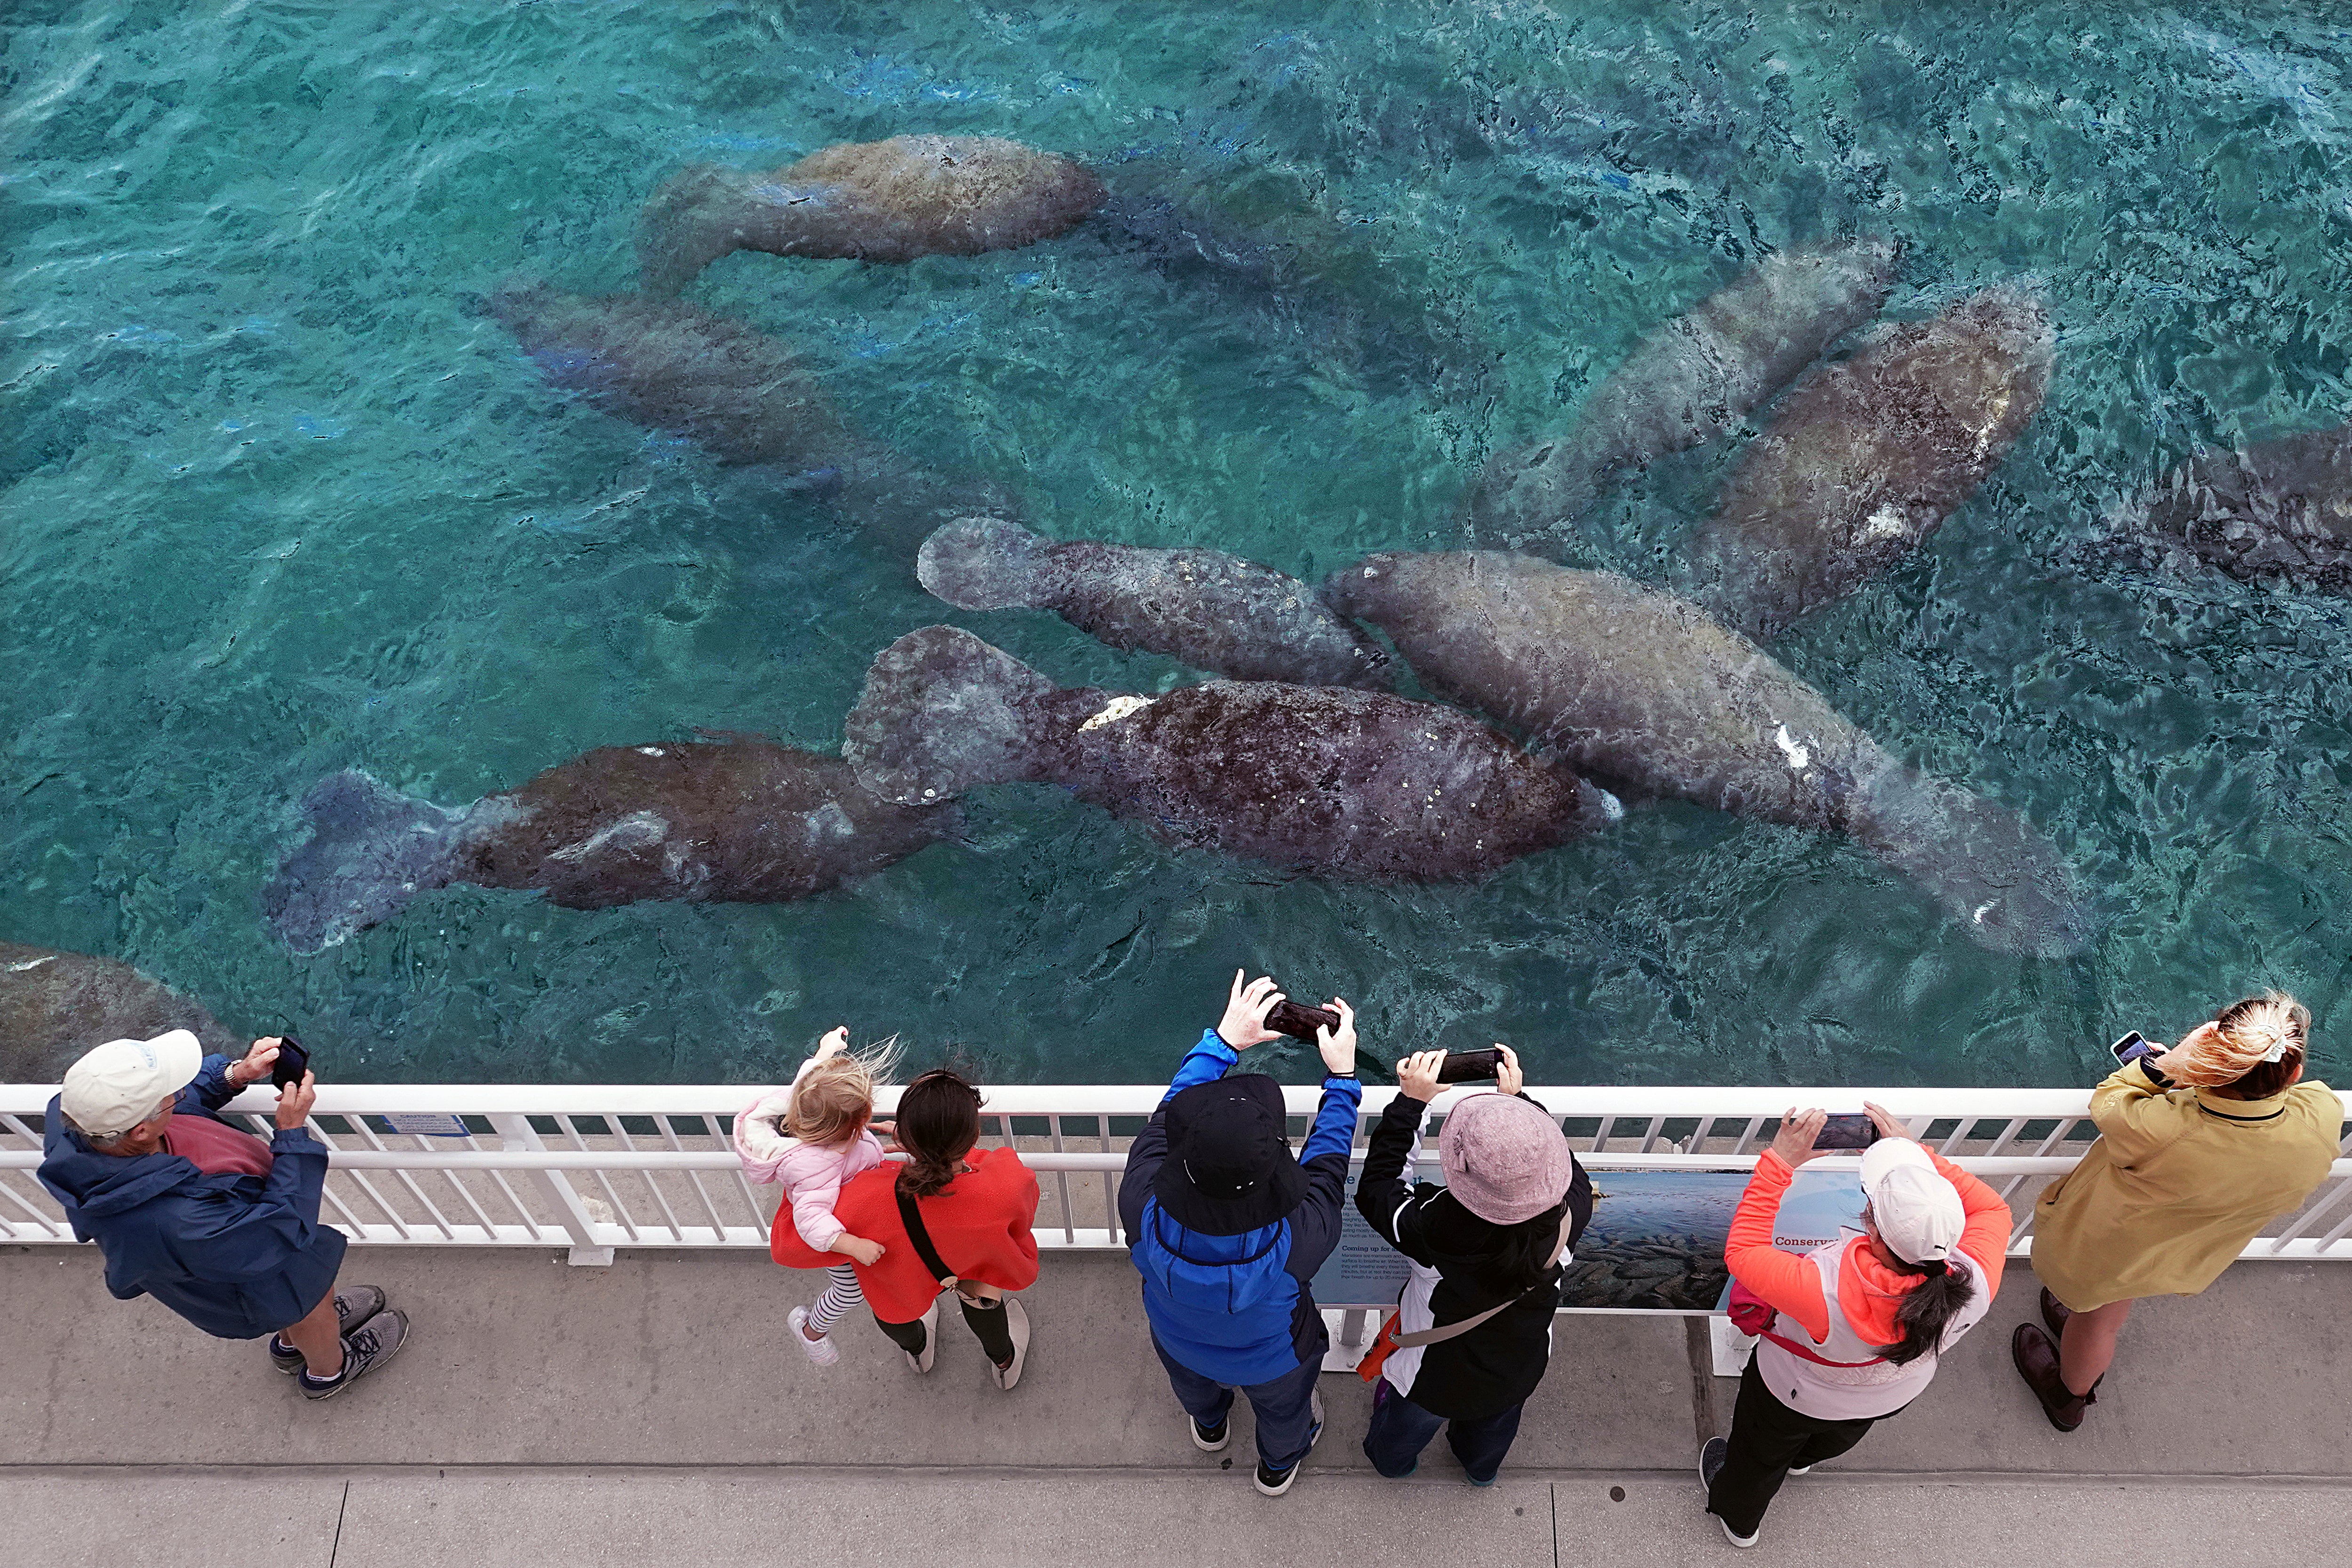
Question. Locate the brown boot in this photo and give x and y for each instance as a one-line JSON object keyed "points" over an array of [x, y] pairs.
{"points": [[2036, 1355], [2055, 1313]]}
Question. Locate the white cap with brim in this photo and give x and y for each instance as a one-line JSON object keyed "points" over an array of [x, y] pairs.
{"points": [[119, 1084], [1917, 1212]]}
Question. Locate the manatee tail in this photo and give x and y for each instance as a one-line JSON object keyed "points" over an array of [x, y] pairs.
{"points": [[695, 217], [2006, 884], [371, 849], [943, 712], [983, 563]]}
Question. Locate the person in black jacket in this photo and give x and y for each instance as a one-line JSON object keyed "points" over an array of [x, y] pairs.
{"points": [[1473, 1328]]}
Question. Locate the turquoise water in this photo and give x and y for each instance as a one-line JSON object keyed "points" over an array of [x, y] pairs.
{"points": [[280, 502]]}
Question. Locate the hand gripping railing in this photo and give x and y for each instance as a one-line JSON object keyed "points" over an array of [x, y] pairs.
{"points": [[592, 1168]]}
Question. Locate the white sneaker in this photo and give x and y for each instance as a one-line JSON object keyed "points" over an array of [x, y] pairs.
{"points": [[819, 1350], [1738, 1539]]}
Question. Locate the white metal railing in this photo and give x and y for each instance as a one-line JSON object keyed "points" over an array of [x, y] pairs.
{"points": [[592, 1168]]}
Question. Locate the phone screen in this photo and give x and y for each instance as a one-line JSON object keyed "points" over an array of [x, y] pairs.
{"points": [[291, 1064], [1847, 1132], [2132, 1047]]}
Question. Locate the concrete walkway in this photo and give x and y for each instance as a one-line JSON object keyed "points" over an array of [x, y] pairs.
{"points": [[653, 1411]]}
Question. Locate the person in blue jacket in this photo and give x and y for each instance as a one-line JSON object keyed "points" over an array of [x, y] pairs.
{"points": [[205, 1218], [1227, 1228]]}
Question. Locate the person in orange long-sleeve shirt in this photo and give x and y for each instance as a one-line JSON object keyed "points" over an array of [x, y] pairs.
{"points": [[1859, 1324]]}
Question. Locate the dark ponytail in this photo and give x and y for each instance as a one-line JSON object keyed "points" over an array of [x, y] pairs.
{"points": [[938, 1121], [1930, 1304]]}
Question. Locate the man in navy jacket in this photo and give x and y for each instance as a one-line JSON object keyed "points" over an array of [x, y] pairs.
{"points": [[1227, 1228], [204, 1216]]}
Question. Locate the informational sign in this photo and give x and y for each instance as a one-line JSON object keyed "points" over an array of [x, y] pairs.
{"points": [[425, 1123], [1655, 1245]]}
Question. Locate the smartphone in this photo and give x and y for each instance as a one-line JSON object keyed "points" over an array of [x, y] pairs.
{"points": [[1846, 1133], [2133, 1045], [291, 1064], [1300, 1022], [1470, 1066]]}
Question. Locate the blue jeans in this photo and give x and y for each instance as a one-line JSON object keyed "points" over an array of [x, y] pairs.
{"points": [[1284, 1405], [1401, 1429]]}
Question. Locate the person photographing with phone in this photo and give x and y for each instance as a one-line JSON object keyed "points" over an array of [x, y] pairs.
{"points": [[2199, 1147], [218, 1226], [1471, 1337], [1227, 1228], [1851, 1331]]}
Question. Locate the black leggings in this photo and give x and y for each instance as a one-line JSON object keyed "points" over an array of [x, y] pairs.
{"points": [[1768, 1439], [987, 1323]]}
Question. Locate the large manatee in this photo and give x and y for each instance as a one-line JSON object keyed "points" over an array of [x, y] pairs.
{"points": [[1689, 382], [54, 1005], [1346, 783], [1213, 611], [2278, 509], [867, 200], [740, 822], [734, 390], [1645, 693], [1866, 457]]}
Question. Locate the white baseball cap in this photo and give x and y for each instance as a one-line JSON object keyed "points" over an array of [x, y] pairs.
{"points": [[119, 1084], [1917, 1212]]}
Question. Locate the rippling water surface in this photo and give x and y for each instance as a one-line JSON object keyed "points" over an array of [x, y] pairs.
{"points": [[281, 501]]}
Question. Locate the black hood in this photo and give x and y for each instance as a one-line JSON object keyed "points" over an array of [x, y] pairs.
{"points": [[1229, 1166]]}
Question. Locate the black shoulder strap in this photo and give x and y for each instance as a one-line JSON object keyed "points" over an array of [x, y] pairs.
{"points": [[912, 1218]]}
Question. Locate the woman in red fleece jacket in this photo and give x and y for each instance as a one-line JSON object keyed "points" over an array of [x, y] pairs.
{"points": [[976, 1209], [1861, 1323]]}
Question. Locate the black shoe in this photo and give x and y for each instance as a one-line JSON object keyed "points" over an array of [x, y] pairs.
{"points": [[2054, 1312], [363, 1352], [2036, 1355], [1274, 1482], [353, 1307], [1211, 1439]]}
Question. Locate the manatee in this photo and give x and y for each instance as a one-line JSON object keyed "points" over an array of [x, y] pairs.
{"points": [[1644, 692], [1213, 611], [738, 823], [2277, 510], [54, 1005], [1687, 383], [1321, 778], [1866, 457], [865, 201], [736, 392]]}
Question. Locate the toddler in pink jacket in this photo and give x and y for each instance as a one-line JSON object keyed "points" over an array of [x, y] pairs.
{"points": [[812, 1137]]}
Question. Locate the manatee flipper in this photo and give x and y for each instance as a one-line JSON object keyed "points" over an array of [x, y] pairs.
{"points": [[943, 712], [372, 849], [982, 563]]}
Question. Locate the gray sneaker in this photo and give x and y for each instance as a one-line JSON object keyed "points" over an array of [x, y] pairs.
{"points": [[1016, 1323], [353, 1307], [364, 1349]]}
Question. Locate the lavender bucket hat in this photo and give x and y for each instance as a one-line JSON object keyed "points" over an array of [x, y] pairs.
{"points": [[1505, 1159]]}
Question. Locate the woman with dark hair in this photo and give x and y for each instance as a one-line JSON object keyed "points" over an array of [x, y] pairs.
{"points": [[949, 1217], [1851, 1331], [2199, 1147]]}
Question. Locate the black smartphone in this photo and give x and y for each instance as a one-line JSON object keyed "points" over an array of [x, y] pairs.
{"points": [[1470, 1066], [2132, 1047], [1300, 1022], [291, 1064], [1846, 1133]]}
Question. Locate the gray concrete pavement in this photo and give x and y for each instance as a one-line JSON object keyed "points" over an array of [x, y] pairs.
{"points": [[654, 1408]]}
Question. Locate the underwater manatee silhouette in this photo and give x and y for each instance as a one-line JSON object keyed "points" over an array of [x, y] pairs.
{"points": [[1687, 383], [2275, 510], [56, 1005], [1866, 457], [1646, 694], [1213, 611], [699, 821], [1321, 778], [866, 201]]}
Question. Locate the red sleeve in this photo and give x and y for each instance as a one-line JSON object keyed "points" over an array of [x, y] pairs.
{"points": [[1019, 1189], [1985, 1236], [1788, 1281]]}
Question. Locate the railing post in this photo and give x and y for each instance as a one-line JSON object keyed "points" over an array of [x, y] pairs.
{"points": [[518, 1136]]}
